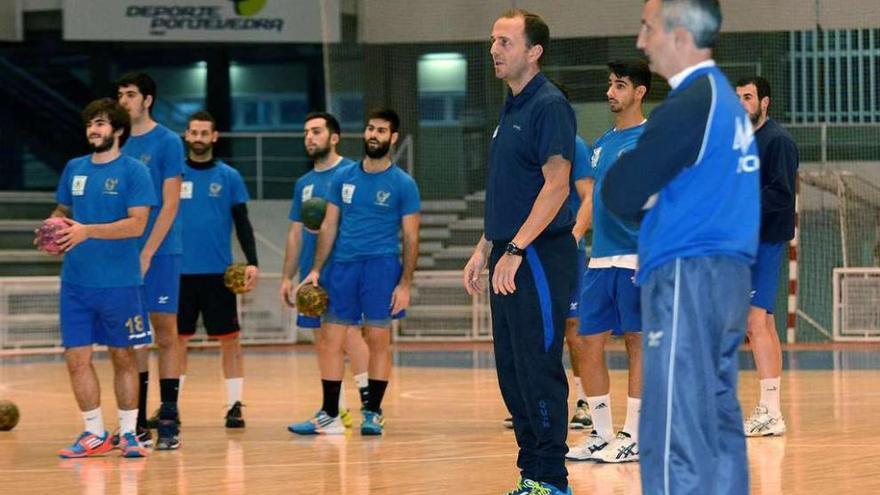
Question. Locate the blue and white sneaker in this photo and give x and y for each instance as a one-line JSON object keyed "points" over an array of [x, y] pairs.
{"points": [[373, 423], [526, 486], [321, 424]]}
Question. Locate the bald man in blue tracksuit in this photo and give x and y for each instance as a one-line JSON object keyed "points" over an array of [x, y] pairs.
{"points": [[697, 242]]}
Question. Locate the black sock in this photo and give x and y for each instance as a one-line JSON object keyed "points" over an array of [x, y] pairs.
{"points": [[168, 389], [332, 389], [144, 382], [377, 392], [365, 396]]}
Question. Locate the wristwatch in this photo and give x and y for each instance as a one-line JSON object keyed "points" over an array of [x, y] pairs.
{"points": [[514, 250]]}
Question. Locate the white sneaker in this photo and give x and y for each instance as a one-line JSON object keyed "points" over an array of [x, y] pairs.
{"points": [[622, 449], [585, 451], [763, 424]]}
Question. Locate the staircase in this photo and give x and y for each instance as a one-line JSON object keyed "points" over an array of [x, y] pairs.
{"points": [[22, 212]]}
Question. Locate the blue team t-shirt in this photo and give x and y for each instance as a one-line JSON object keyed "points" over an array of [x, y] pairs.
{"points": [[313, 184], [103, 193], [161, 150], [580, 169], [206, 200], [611, 235], [371, 206]]}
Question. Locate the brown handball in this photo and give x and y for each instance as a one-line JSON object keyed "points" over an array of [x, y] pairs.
{"points": [[311, 300], [234, 278], [8, 415]]}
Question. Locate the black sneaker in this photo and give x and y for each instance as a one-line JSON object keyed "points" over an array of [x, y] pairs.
{"points": [[153, 421], [144, 437], [169, 435], [234, 418]]}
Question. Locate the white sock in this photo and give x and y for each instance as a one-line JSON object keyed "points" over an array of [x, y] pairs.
{"points": [[127, 421], [600, 410], [770, 394], [633, 408], [94, 421], [233, 390], [180, 387], [362, 380], [581, 396]]}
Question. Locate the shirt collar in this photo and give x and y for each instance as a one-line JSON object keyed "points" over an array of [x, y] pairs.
{"points": [[530, 88], [676, 80]]}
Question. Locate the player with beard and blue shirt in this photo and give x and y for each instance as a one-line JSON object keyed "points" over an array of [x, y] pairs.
{"points": [[213, 197], [369, 204], [322, 134], [779, 164], [610, 300], [699, 207], [105, 199], [161, 150]]}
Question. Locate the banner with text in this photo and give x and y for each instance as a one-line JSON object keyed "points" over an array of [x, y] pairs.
{"points": [[241, 21]]}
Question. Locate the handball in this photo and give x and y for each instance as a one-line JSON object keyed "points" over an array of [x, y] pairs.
{"points": [[234, 278], [312, 213], [311, 300], [8, 415], [47, 235]]}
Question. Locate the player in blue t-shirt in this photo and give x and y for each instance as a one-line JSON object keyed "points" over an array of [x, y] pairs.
{"points": [[213, 197], [369, 204], [610, 299], [105, 199], [161, 150], [322, 134]]}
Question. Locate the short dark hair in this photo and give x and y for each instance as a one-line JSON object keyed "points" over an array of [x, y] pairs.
{"points": [[701, 18], [760, 83], [386, 114], [329, 120], [117, 116], [536, 30], [203, 116], [636, 70], [145, 84]]}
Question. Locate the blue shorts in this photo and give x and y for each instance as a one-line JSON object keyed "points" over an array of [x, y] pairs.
{"points": [[610, 301], [162, 284], [110, 316], [576, 295], [765, 275], [360, 291]]}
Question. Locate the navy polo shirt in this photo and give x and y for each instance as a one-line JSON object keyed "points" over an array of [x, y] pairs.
{"points": [[534, 125]]}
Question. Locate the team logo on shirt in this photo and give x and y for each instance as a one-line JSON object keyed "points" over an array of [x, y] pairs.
{"points": [[347, 193], [145, 158], [594, 160], [307, 192], [382, 198], [214, 189], [186, 189], [78, 186], [110, 185]]}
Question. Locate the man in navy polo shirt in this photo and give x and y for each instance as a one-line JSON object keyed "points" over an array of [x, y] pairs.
{"points": [[530, 249]]}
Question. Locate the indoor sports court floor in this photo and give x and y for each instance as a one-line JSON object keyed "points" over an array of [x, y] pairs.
{"points": [[443, 430]]}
